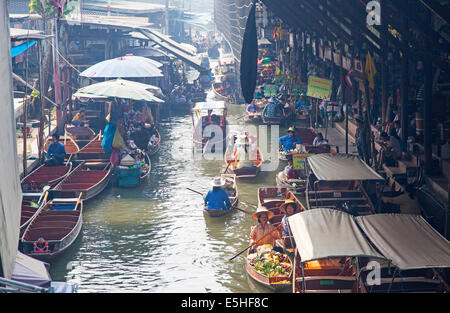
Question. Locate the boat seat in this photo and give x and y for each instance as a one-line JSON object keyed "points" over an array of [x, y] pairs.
{"points": [[52, 224], [60, 213]]}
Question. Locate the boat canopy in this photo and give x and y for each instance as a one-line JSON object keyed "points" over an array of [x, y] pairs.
{"points": [[341, 167], [408, 240], [327, 233], [205, 106]]}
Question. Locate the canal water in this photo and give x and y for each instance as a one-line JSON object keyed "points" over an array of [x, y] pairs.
{"points": [[156, 238]]}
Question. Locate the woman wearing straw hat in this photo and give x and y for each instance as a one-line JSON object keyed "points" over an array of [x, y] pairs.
{"points": [[289, 207], [217, 198], [262, 215]]}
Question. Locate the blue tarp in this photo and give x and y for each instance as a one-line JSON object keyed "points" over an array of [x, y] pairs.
{"points": [[15, 51]]}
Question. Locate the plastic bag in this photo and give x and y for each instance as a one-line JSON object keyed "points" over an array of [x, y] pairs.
{"points": [[108, 136], [114, 159], [118, 140]]}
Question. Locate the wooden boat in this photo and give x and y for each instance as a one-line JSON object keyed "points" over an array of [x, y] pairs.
{"points": [[275, 283], [132, 177], [296, 184], [200, 121], [219, 91], [87, 179], [198, 97], [45, 176], [232, 191], [59, 223], [93, 151], [343, 192], [69, 144], [157, 145], [253, 117], [245, 171], [79, 133]]}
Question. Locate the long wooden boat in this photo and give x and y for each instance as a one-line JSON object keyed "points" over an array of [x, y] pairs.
{"points": [[86, 179], [245, 171], [296, 184], [45, 176], [157, 145], [253, 117], [198, 97], [69, 144], [232, 191], [220, 95], [59, 223], [79, 133], [132, 177], [272, 198]]}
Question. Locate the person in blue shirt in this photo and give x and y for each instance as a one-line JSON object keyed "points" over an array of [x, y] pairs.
{"points": [[260, 93], [272, 109], [217, 198], [302, 103], [290, 141], [252, 108], [56, 152]]}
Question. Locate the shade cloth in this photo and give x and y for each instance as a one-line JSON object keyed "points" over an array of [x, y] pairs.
{"points": [[216, 105], [341, 167], [408, 240], [15, 51], [30, 271], [328, 233]]}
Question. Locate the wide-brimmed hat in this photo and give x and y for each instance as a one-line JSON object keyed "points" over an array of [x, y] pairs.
{"points": [[218, 182], [242, 140], [260, 210], [286, 203], [291, 129]]}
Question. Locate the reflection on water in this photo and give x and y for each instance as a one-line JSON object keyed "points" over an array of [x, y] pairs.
{"points": [[156, 238]]}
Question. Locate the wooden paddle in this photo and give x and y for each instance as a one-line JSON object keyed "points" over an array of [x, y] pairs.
{"points": [[246, 212], [255, 243]]}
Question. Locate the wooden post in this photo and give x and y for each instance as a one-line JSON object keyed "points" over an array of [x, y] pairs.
{"points": [[384, 68], [405, 74], [42, 97], [428, 102]]}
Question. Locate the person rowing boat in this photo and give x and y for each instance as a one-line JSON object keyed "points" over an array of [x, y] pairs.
{"points": [[217, 198], [263, 215]]}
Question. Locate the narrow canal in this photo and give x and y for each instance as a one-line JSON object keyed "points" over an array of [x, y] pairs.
{"points": [[156, 238]]}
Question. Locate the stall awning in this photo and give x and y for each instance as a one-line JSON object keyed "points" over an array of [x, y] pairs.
{"points": [[15, 51], [408, 240], [328, 233], [341, 167]]}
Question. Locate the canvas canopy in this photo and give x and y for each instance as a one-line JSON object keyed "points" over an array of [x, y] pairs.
{"points": [[341, 167], [328, 233], [408, 240]]}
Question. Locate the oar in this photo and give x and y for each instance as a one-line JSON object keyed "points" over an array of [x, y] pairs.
{"points": [[246, 212], [44, 192], [255, 243], [229, 163]]}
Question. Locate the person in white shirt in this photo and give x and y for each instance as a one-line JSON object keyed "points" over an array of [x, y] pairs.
{"points": [[319, 140]]}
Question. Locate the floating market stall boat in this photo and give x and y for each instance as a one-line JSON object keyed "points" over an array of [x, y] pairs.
{"points": [[244, 171], [86, 179], [416, 250], [130, 174], [232, 190], [328, 243], [209, 120], [253, 117], [155, 148], [338, 182], [45, 176], [53, 230]]}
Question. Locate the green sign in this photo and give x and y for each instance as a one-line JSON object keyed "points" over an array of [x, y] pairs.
{"points": [[300, 160], [319, 88]]}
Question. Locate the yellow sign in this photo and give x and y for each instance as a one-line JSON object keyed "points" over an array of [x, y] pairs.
{"points": [[319, 88], [300, 160]]}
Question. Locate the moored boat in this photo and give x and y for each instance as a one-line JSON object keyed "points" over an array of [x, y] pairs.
{"points": [[31, 203], [53, 230], [87, 179], [93, 151], [80, 133], [232, 190], [44, 176]]}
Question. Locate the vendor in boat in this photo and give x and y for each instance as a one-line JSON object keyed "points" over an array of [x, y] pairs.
{"points": [[242, 152], [252, 108], [289, 208], [263, 215], [302, 104], [289, 142], [56, 152], [217, 198], [260, 93], [80, 119], [319, 140], [289, 170]]}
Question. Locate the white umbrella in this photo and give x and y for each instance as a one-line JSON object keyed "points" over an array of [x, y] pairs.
{"points": [[143, 59], [123, 67], [119, 88]]}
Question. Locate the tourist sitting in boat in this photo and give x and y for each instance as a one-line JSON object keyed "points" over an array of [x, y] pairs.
{"points": [[289, 142], [56, 152], [152, 142], [272, 109], [289, 208], [80, 118], [302, 104], [260, 93], [217, 198], [262, 215], [252, 108], [242, 152], [319, 140], [289, 170]]}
